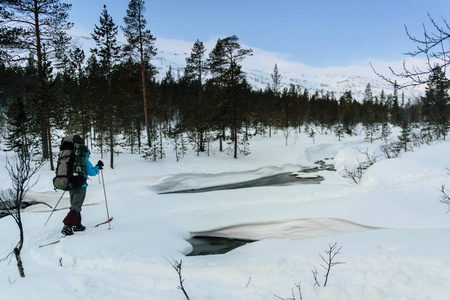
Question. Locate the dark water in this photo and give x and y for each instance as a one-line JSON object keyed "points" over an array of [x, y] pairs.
{"points": [[24, 204], [278, 179], [204, 245]]}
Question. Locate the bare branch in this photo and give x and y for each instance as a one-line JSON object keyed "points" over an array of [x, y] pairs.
{"points": [[330, 255], [445, 197], [177, 267], [20, 171], [299, 290], [315, 273], [293, 294], [432, 47], [355, 173]]}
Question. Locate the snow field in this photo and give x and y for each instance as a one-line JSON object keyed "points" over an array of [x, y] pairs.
{"points": [[407, 258]]}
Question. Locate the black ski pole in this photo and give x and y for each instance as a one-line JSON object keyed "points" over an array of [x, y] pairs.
{"points": [[106, 201], [54, 208]]}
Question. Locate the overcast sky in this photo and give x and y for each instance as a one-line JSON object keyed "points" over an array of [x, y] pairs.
{"points": [[309, 35]]}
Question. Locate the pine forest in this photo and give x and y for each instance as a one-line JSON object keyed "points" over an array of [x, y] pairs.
{"points": [[49, 88]]}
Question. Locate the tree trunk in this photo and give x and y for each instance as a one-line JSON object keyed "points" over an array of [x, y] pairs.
{"points": [[19, 262], [235, 139], [144, 96], [138, 129], [111, 143], [19, 246], [50, 152], [111, 121], [222, 139], [45, 152], [44, 140], [235, 131], [202, 142]]}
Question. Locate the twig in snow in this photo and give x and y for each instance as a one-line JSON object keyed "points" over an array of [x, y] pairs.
{"points": [[248, 283], [328, 260], [177, 267], [444, 198], [314, 272], [299, 288]]}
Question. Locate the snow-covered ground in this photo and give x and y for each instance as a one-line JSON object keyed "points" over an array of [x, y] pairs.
{"points": [[392, 228]]}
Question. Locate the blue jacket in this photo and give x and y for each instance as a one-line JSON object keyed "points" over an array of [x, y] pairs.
{"points": [[90, 169]]}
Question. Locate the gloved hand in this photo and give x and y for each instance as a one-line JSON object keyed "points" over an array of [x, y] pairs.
{"points": [[100, 165]]}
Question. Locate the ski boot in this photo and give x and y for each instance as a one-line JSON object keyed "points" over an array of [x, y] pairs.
{"points": [[67, 230]]}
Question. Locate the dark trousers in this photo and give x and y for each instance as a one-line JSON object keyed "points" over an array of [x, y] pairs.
{"points": [[77, 196]]}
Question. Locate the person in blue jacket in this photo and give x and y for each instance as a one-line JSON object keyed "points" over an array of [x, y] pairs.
{"points": [[72, 222]]}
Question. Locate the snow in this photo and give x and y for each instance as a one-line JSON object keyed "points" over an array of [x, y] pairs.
{"points": [[392, 228]]}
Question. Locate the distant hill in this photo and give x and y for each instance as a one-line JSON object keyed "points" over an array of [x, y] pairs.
{"points": [[320, 83], [325, 83]]}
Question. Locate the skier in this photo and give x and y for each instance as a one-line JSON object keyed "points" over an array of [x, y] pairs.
{"points": [[72, 222]]}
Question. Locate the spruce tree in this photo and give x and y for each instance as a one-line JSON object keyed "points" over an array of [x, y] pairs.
{"points": [[79, 103], [436, 102], [276, 81], [167, 96], [396, 114], [404, 139], [196, 68], [107, 49], [215, 88], [369, 119], [225, 66], [368, 95], [346, 112], [127, 79], [95, 97], [17, 125]]}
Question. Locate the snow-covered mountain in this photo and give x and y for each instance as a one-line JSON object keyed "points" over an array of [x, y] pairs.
{"points": [[259, 79], [324, 83]]}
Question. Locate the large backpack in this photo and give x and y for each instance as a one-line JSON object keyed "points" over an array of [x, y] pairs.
{"points": [[71, 167]]}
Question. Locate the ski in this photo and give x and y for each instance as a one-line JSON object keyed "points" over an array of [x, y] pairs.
{"points": [[52, 243], [106, 222], [57, 241]]}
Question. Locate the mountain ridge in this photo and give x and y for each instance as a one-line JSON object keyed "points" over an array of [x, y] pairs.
{"points": [[259, 79], [323, 83]]}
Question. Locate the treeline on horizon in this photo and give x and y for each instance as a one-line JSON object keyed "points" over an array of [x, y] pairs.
{"points": [[113, 93]]}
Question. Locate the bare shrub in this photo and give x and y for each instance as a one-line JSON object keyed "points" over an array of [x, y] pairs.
{"points": [[20, 170], [177, 266], [328, 260], [355, 173], [299, 289]]}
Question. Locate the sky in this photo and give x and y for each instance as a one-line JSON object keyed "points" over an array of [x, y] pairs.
{"points": [[299, 35]]}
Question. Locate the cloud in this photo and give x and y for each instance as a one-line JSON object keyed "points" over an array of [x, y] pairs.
{"points": [[175, 46]]}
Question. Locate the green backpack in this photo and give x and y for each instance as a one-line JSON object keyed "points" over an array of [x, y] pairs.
{"points": [[71, 167]]}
